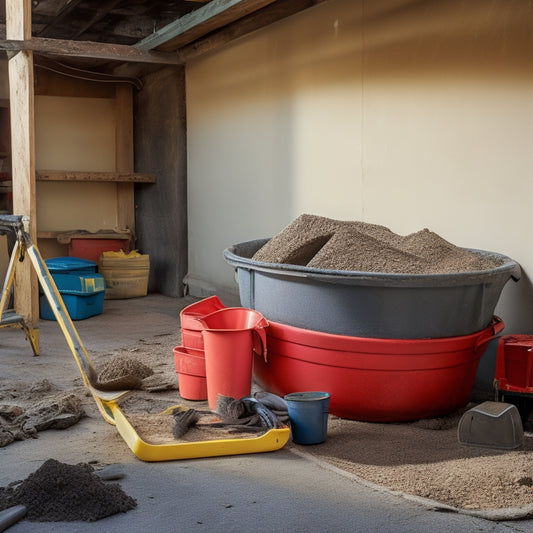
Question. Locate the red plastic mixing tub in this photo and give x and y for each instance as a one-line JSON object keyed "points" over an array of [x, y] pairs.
{"points": [[381, 380]]}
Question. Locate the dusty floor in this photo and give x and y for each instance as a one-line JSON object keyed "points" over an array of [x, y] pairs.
{"points": [[431, 463], [423, 459]]}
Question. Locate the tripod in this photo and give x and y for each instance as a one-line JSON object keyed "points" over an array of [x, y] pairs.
{"points": [[24, 246], [8, 317]]}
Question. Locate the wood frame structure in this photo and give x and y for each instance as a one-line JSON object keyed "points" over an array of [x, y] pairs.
{"points": [[214, 24], [18, 26]]}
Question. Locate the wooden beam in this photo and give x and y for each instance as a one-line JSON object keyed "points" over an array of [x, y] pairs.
{"points": [[196, 24], [117, 177], [248, 24], [22, 135], [101, 12], [253, 22], [88, 49], [67, 8], [18, 19], [20, 69], [65, 237]]}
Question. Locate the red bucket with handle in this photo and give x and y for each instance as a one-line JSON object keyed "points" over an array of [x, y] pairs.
{"points": [[231, 338]]}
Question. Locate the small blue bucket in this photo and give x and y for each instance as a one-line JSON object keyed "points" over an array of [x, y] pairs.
{"points": [[308, 413]]}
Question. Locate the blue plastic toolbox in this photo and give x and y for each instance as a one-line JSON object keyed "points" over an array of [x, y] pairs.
{"points": [[70, 265], [82, 293]]}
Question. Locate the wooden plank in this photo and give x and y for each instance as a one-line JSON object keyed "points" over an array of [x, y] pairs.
{"points": [[257, 20], [18, 19], [66, 48], [20, 69], [117, 177], [199, 23], [65, 10], [64, 237], [124, 158], [100, 13]]}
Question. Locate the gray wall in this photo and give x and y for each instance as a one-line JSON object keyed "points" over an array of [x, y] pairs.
{"points": [[161, 208]]}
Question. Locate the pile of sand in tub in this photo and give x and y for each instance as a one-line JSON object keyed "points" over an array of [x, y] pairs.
{"points": [[324, 243]]}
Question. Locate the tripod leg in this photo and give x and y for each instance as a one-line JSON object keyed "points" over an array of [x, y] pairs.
{"points": [[10, 317], [33, 337], [10, 276]]}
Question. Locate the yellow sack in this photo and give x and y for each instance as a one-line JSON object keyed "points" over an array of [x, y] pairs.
{"points": [[122, 255]]}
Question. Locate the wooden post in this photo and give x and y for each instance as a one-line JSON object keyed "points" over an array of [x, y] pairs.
{"points": [[124, 158], [18, 26]]}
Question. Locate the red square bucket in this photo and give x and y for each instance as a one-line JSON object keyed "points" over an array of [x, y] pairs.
{"points": [[514, 364], [190, 367]]}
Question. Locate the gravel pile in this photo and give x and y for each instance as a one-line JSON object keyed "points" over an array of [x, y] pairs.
{"points": [[328, 244]]}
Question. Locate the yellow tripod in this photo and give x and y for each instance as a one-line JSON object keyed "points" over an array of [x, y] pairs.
{"points": [[8, 317], [25, 247]]}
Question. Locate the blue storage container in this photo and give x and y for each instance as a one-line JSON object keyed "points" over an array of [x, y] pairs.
{"points": [[66, 265], [82, 293], [85, 283]]}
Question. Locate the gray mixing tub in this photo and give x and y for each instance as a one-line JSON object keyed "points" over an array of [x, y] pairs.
{"points": [[363, 304]]}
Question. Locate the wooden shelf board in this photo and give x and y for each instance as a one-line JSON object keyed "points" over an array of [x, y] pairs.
{"points": [[121, 177], [64, 237]]}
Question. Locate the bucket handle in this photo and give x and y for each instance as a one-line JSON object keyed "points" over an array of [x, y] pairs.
{"points": [[496, 327], [260, 348]]}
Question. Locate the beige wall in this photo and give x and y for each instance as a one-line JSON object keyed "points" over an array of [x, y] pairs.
{"points": [[75, 134], [403, 113]]}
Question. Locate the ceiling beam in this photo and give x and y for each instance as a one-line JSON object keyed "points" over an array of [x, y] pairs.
{"points": [[101, 12], [200, 22], [268, 15], [67, 8], [88, 49], [255, 21]]}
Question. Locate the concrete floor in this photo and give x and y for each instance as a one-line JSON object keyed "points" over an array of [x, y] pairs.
{"points": [[268, 492]]}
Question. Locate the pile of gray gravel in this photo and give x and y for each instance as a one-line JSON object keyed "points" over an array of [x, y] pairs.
{"points": [[329, 244]]}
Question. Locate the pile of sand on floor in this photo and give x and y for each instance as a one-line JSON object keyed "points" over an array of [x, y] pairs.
{"points": [[329, 244], [425, 459], [27, 409], [58, 492]]}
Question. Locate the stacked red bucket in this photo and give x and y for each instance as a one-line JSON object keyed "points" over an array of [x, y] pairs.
{"points": [[217, 352], [189, 357]]}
